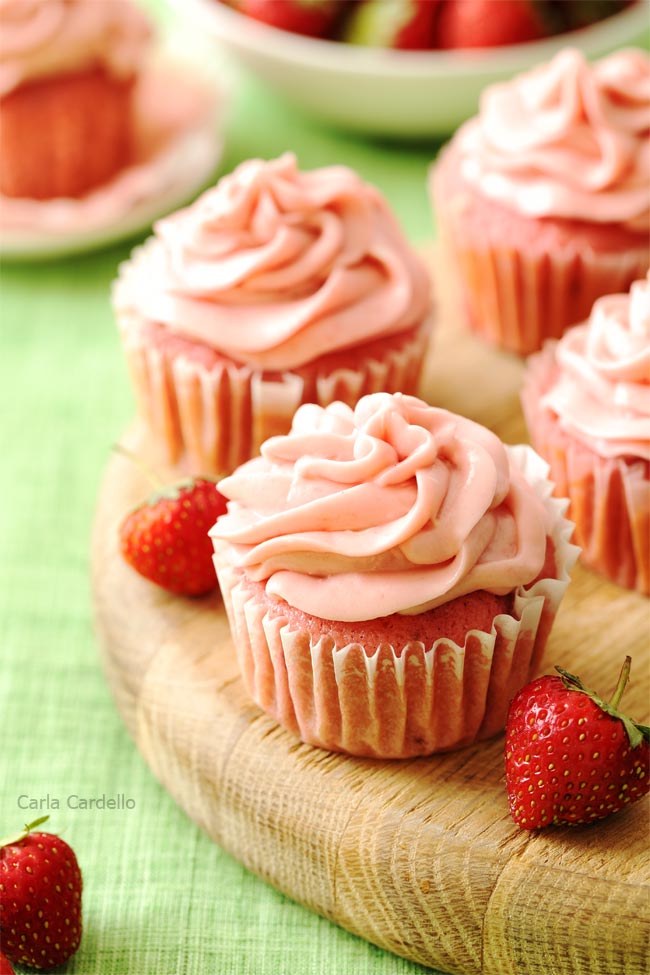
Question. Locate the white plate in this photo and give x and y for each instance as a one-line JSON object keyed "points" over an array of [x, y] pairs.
{"points": [[178, 132], [395, 93]]}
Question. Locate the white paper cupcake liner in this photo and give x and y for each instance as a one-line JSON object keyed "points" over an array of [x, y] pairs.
{"points": [[388, 702], [211, 419], [609, 497]]}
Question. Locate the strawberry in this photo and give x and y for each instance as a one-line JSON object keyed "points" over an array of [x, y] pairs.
{"points": [[165, 538], [40, 898], [401, 24], [5, 966], [488, 23], [569, 756], [314, 18]]}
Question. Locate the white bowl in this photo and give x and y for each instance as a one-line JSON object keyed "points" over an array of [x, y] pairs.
{"points": [[384, 92]]}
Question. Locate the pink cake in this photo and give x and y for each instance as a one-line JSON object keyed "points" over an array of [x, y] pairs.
{"points": [[586, 400], [391, 574], [67, 72], [275, 288], [543, 200]]}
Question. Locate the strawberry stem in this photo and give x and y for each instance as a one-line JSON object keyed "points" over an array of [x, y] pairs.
{"points": [[623, 678], [153, 478], [17, 837], [636, 732]]}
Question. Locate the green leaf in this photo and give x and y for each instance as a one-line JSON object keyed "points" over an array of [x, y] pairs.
{"points": [[17, 837]]}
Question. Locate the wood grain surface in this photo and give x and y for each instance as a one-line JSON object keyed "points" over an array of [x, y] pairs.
{"points": [[419, 857]]}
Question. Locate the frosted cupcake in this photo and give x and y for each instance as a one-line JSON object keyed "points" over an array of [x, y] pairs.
{"points": [[275, 288], [67, 71], [586, 400], [543, 200], [390, 574]]}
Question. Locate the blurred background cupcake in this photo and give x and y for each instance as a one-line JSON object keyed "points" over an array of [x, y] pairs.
{"points": [[275, 288], [391, 574], [586, 400], [67, 72], [543, 200]]}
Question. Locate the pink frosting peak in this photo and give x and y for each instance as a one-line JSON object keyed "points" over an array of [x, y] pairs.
{"points": [[45, 37], [567, 139], [602, 391], [275, 267], [393, 507]]}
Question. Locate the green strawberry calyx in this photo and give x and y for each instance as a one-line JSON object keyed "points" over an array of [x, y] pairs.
{"points": [[637, 733], [17, 837]]}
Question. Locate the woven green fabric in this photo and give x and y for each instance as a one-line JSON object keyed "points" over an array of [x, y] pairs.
{"points": [[160, 898]]}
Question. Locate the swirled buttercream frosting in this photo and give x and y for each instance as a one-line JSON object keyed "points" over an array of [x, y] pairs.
{"points": [[275, 267], [393, 507], [566, 140], [602, 391], [46, 37]]}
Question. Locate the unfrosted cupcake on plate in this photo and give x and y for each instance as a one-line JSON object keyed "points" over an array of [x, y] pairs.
{"points": [[275, 288], [543, 200], [67, 72], [586, 400], [390, 574]]}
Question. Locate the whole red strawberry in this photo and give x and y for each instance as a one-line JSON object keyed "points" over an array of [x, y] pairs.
{"points": [[570, 757], [486, 23], [314, 18], [165, 538], [40, 898]]}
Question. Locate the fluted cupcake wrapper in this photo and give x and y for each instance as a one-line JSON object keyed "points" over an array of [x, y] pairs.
{"points": [[515, 299], [395, 702], [211, 418], [609, 497]]}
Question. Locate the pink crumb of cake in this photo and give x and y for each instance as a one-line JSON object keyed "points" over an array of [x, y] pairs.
{"points": [[452, 620]]}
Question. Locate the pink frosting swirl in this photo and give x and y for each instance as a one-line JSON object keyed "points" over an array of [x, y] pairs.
{"points": [[395, 507], [602, 392], [568, 140], [275, 267], [45, 37]]}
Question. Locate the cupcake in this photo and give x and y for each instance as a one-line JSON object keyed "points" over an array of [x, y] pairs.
{"points": [[586, 400], [276, 287], [543, 200], [390, 574], [67, 71]]}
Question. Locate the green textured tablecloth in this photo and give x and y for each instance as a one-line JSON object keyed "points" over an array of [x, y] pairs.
{"points": [[160, 898]]}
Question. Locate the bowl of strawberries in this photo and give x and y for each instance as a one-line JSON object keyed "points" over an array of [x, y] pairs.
{"points": [[405, 68]]}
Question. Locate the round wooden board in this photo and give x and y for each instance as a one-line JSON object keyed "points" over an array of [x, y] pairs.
{"points": [[419, 857]]}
